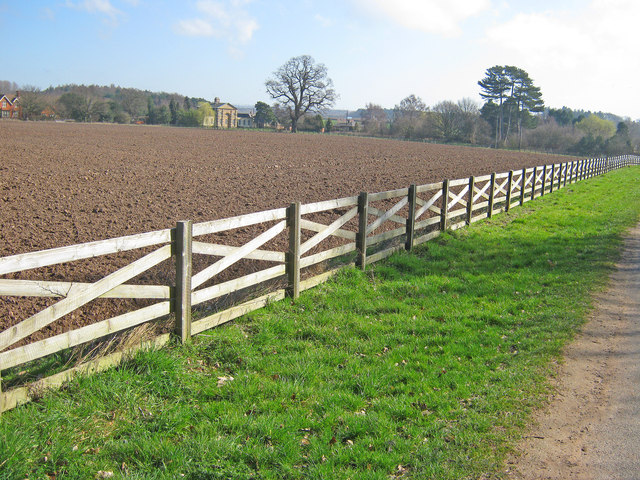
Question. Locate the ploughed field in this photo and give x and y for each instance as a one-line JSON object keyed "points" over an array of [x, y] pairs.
{"points": [[63, 184]]}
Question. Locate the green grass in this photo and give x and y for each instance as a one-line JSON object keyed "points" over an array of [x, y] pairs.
{"points": [[425, 366]]}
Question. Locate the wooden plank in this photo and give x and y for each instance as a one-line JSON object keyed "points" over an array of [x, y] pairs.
{"points": [[376, 257], [328, 205], [445, 205], [327, 254], [42, 288], [184, 266], [318, 279], [363, 221], [318, 227], [400, 192], [428, 222], [477, 218], [225, 316], [457, 225], [21, 395], [217, 250], [43, 258], [381, 237], [225, 262], [394, 218], [89, 333], [472, 187], [328, 231], [411, 218], [483, 178], [500, 188], [458, 182], [429, 204], [500, 176], [43, 318], [459, 198], [380, 220], [231, 286], [294, 252], [492, 182], [480, 205], [240, 221], [482, 192], [427, 237], [457, 213], [429, 187]]}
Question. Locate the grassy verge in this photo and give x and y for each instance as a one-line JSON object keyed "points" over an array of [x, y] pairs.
{"points": [[426, 366]]}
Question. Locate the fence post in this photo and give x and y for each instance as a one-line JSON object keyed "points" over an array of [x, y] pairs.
{"points": [[292, 257], [544, 180], [363, 222], [472, 187], [445, 205], [182, 300], [553, 172], [411, 218], [509, 187], [492, 185], [533, 182], [566, 171], [522, 181]]}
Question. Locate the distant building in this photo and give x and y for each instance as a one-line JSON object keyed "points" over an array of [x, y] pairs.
{"points": [[226, 115], [246, 120], [10, 106]]}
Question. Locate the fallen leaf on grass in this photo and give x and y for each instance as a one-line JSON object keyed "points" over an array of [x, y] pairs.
{"points": [[223, 380]]}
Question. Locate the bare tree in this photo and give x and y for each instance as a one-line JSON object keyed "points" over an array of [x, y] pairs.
{"points": [[301, 86], [374, 118], [411, 107], [449, 121], [31, 102]]}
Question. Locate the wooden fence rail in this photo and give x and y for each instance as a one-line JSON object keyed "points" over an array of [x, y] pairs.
{"points": [[363, 229]]}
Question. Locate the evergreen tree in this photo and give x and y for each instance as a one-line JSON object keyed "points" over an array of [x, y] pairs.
{"points": [[513, 93]]}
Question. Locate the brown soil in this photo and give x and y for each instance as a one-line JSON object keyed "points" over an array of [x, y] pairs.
{"points": [[591, 428], [64, 184]]}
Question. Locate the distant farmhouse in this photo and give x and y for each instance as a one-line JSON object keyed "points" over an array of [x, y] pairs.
{"points": [[246, 120], [10, 106], [226, 115]]}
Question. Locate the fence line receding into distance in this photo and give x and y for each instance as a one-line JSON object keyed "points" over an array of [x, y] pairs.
{"points": [[291, 249]]}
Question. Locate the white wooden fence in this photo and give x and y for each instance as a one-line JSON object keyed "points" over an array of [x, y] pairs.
{"points": [[360, 229]]}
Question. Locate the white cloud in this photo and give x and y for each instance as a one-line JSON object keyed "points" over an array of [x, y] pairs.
{"points": [[96, 6], [228, 19], [431, 16], [101, 7], [581, 58], [196, 28]]}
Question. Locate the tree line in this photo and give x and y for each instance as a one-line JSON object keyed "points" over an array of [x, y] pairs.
{"points": [[110, 104], [513, 114]]}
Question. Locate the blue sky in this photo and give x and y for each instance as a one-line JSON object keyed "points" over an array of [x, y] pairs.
{"points": [[581, 53]]}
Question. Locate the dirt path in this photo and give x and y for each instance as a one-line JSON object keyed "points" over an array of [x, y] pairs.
{"points": [[591, 429]]}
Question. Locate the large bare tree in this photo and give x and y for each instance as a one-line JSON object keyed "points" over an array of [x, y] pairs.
{"points": [[301, 86]]}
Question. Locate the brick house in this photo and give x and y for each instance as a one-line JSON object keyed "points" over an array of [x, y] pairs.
{"points": [[10, 106]]}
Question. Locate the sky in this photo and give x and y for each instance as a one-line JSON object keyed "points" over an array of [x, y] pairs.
{"points": [[583, 54]]}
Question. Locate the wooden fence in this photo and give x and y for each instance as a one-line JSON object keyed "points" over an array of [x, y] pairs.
{"points": [[315, 240]]}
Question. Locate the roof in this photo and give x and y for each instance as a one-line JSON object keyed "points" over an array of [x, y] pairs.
{"points": [[221, 105]]}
